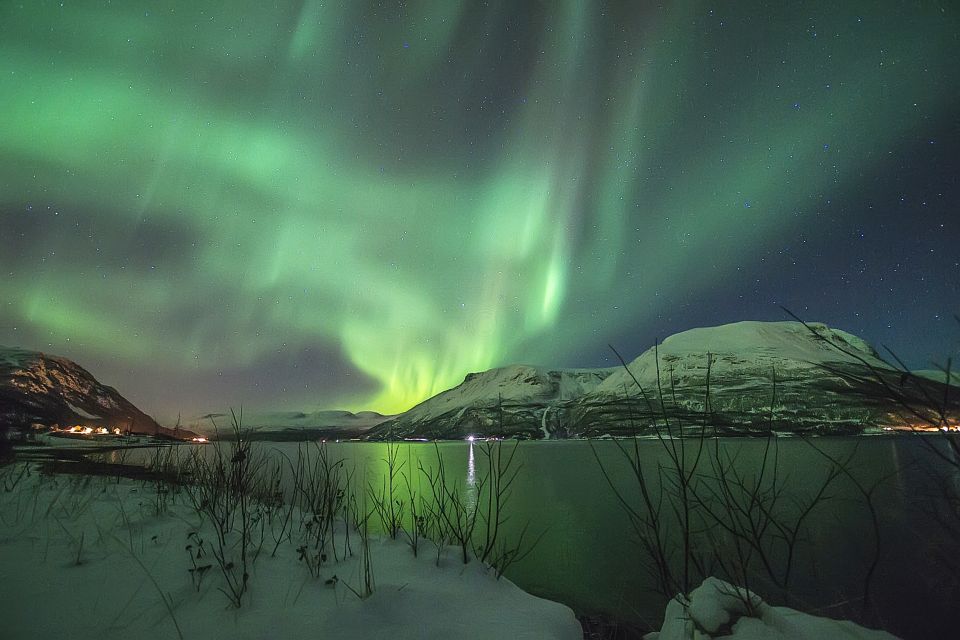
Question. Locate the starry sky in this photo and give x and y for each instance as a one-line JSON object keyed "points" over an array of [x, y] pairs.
{"points": [[348, 204]]}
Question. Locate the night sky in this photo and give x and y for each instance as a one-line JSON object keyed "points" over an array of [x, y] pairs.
{"points": [[302, 205]]}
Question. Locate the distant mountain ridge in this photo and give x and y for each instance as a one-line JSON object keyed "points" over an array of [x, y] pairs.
{"points": [[294, 425], [816, 379], [36, 388]]}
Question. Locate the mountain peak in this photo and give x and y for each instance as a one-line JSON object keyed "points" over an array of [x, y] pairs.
{"points": [[36, 388], [789, 338]]}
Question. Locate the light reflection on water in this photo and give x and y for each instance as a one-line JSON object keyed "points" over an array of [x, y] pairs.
{"points": [[471, 486]]}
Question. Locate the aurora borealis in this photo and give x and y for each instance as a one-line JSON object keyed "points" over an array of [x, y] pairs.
{"points": [[352, 205]]}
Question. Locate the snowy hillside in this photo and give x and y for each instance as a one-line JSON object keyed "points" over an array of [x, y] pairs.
{"points": [[526, 394], [36, 388], [815, 379]]}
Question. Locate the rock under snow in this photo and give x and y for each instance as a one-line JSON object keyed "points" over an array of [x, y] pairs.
{"points": [[717, 609]]}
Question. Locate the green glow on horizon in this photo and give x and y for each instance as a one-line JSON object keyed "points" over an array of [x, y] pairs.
{"points": [[257, 133]]}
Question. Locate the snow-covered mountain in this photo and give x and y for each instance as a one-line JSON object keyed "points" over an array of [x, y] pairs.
{"points": [[814, 378], [37, 388], [294, 425], [513, 400]]}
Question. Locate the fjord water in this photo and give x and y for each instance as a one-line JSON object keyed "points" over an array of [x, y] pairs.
{"points": [[589, 557]]}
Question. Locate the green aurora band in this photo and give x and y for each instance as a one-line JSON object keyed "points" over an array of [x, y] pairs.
{"points": [[430, 190]]}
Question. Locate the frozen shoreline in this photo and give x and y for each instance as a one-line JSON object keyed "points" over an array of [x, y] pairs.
{"points": [[84, 557]]}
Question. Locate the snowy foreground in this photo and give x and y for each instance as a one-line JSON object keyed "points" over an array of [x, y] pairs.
{"points": [[84, 557]]}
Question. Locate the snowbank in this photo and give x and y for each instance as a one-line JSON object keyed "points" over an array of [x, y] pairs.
{"points": [[89, 558], [718, 609]]}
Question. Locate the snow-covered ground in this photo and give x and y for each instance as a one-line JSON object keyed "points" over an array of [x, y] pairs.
{"points": [[90, 557]]}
